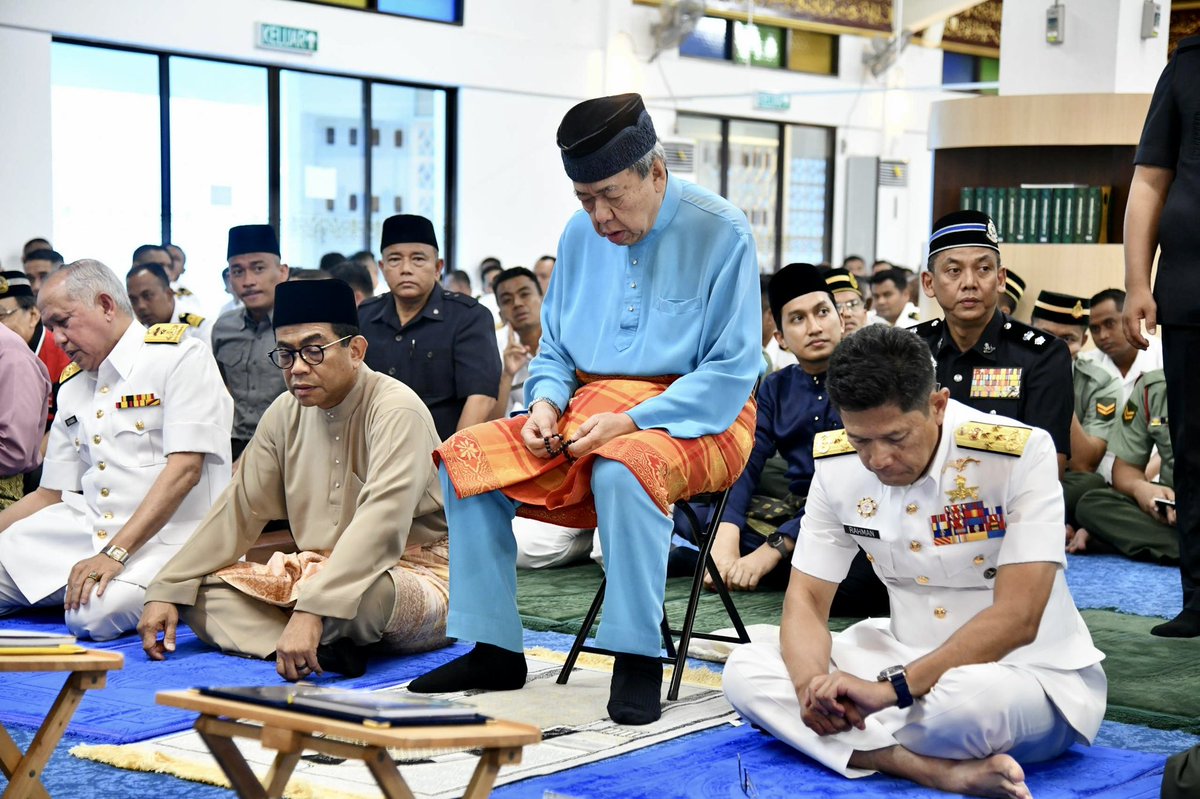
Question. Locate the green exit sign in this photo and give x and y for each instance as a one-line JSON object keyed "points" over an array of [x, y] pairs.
{"points": [[281, 37], [767, 101]]}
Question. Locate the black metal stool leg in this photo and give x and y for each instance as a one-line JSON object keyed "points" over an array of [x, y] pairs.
{"points": [[584, 631]]}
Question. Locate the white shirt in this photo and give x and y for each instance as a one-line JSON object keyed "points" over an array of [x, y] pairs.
{"points": [[1146, 360], [113, 455], [910, 316], [936, 587]]}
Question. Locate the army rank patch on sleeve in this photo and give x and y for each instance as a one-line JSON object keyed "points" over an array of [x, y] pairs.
{"points": [[1130, 412], [1106, 408]]}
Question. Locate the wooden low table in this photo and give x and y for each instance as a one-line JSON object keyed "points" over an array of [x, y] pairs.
{"points": [[87, 670], [290, 733]]}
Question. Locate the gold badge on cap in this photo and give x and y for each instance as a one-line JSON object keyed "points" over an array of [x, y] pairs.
{"points": [[1077, 311], [991, 232], [3, 285], [867, 507]]}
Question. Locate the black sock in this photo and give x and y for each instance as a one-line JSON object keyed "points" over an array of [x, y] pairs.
{"points": [[636, 690], [489, 667], [1185, 625], [343, 657]]}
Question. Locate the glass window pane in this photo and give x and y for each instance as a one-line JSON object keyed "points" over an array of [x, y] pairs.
{"points": [[805, 195], [320, 168], [408, 158], [754, 180], [218, 164], [706, 133], [707, 40], [105, 143], [436, 10], [761, 45]]}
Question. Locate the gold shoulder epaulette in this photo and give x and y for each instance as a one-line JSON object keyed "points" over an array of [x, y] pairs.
{"points": [[70, 371], [999, 438], [165, 334], [830, 443], [182, 292], [191, 319]]}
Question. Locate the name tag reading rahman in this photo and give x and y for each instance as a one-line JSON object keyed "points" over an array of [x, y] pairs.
{"points": [[862, 532]]}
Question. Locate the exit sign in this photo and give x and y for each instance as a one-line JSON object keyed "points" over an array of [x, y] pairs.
{"points": [[281, 37], [767, 101]]}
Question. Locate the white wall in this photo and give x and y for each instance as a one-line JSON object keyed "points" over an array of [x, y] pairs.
{"points": [[25, 203], [1102, 50], [519, 64]]}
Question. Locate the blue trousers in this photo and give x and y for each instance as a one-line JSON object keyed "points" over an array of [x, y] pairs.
{"points": [[634, 533]]}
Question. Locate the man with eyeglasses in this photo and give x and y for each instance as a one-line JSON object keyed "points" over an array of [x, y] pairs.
{"points": [[242, 337], [345, 455], [848, 298]]}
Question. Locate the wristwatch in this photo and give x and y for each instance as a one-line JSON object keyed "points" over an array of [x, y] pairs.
{"points": [[779, 543], [898, 677], [119, 554]]}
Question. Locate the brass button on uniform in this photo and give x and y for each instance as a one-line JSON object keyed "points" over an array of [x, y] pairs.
{"points": [[911, 508], [104, 492], [99, 414], [101, 465], [102, 534], [979, 560], [989, 574], [870, 558], [923, 580], [139, 425], [108, 517], [939, 613], [915, 546], [95, 439], [104, 390]]}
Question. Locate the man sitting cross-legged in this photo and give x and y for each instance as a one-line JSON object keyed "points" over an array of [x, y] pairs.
{"points": [[344, 455], [985, 662]]}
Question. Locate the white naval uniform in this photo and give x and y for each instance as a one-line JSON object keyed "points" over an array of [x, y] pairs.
{"points": [[973, 711], [199, 327], [113, 456]]}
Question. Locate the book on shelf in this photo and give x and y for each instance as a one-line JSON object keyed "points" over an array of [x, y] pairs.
{"points": [[1043, 213]]}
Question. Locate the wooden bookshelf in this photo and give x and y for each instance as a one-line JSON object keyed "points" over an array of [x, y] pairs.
{"points": [[1009, 140]]}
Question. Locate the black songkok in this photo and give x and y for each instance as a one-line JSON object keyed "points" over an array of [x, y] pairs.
{"points": [[15, 284], [602, 137], [1014, 286], [1064, 309], [303, 302], [963, 229], [794, 280], [842, 280], [252, 238], [407, 229]]}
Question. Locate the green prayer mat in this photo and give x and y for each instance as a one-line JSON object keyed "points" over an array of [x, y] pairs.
{"points": [[1152, 681]]}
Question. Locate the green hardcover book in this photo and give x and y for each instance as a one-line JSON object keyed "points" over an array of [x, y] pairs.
{"points": [[990, 202], [1068, 217], [966, 198], [1043, 215], [1091, 214], [1021, 217], [1081, 194], [1056, 215], [998, 216], [1102, 213]]}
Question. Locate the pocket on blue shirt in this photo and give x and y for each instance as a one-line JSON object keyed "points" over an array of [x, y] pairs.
{"points": [[678, 307]]}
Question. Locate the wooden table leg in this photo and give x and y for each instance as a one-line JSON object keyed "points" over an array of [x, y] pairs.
{"points": [[27, 773], [484, 777], [10, 756], [386, 774], [233, 763], [288, 746]]}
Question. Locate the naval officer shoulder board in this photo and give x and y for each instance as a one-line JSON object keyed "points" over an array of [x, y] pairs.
{"points": [[987, 437], [165, 334], [191, 319], [828, 443], [70, 371]]}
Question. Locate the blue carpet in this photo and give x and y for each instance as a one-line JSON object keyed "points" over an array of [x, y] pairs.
{"points": [[125, 711], [1111, 582], [777, 770]]}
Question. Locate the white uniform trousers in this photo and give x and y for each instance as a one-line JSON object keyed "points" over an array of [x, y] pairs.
{"points": [[972, 712], [541, 545]]}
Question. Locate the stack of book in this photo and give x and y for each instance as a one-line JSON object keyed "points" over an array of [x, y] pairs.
{"points": [[25, 642], [1044, 213]]}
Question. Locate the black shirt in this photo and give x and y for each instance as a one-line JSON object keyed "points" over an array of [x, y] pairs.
{"points": [[1014, 370], [445, 354], [1171, 140]]}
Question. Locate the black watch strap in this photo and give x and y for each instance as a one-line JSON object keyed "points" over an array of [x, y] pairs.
{"points": [[779, 543], [898, 677]]}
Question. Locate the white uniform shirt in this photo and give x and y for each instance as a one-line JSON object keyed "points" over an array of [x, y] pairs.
{"points": [[114, 455], [937, 586]]}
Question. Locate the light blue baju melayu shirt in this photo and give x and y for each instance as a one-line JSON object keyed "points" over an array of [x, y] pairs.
{"points": [[682, 301]]}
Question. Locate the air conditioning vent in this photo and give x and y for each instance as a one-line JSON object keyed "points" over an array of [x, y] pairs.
{"points": [[893, 173], [681, 156]]}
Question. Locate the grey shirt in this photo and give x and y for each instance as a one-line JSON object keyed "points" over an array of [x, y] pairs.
{"points": [[240, 346]]}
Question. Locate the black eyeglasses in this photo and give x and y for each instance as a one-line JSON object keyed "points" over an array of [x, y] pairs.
{"points": [[311, 354]]}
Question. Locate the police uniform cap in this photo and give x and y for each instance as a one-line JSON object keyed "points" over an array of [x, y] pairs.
{"points": [[302, 302], [842, 280], [15, 284], [245, 239], [1063, 309], [604, 136], [1014, 286], [963, 229], [794, 280], [407, 229]]}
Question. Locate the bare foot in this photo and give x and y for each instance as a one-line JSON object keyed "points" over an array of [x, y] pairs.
{"points": [[995, 776], [1079, 542]]}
